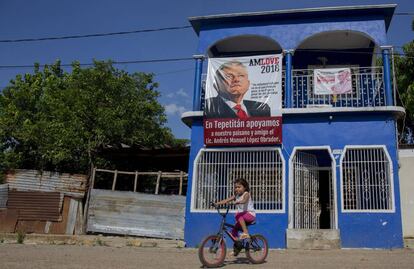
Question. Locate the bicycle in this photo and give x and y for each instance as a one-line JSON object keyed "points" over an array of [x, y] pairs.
{"points": [[212, 250]]}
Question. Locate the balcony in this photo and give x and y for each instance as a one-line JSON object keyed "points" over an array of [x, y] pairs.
{"points": [[367, 90]]}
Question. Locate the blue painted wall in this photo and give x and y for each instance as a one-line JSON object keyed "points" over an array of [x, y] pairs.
{"points": [[199, 225], [373, 230], [290, 34], [370, 230]]}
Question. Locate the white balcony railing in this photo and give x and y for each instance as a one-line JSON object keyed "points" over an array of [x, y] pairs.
{"points": [[367, 90]]}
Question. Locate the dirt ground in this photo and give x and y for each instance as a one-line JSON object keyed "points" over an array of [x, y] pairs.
{"points": [[99, 257]]}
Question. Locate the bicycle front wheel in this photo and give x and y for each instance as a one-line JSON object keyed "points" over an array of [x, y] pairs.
{"points": [[257, 249], [212, 251]]}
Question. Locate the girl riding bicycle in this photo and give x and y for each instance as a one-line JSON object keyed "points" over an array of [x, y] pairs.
{"points": [[212, 251], [244, 205]]}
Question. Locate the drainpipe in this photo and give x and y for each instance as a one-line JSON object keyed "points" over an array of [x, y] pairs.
{"points": [[288, 81], [197, 82], [387, 75]]}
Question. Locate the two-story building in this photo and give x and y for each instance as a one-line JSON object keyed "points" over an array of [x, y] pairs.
{"points": [[332, 174]]}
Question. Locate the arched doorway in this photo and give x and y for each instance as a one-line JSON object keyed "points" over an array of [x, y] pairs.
{"points": [[244, 45], [336, 48], [350, 52]]}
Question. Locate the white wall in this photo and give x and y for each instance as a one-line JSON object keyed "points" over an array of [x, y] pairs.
{"points": [[407, 190]]}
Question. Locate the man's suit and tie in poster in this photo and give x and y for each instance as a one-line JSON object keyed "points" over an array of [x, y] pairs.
{"points": [[243, 101]]}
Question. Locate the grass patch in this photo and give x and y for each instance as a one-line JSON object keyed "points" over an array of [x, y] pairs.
{"points": [[99, 242], [21, 236]]}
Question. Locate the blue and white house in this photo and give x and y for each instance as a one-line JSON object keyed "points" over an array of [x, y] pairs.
{"points": [[336, 171]]}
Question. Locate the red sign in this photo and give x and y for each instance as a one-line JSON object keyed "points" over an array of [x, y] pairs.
{"points": [[249, 131]]}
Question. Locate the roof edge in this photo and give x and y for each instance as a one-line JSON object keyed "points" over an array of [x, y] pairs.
{"points": [[291, 11], [196, 20]]}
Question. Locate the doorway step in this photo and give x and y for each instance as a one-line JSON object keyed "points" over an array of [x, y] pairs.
{"points": [[313, 239]]}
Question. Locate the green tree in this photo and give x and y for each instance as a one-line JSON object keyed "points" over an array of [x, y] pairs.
{"points": [[404, 66], [57, 120]]}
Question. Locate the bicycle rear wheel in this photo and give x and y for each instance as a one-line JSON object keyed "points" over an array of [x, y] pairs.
{"points": [[257, 249], [212, 251]]}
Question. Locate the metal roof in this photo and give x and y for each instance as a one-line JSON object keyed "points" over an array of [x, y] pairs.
{"points": [[73, 185], [33, 205], [4, 190], [387, 10]]}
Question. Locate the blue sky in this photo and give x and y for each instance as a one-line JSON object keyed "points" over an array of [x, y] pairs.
{"points": [[30, 19]]}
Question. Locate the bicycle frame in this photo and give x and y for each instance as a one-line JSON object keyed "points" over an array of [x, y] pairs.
{"points": [[224, 225]]}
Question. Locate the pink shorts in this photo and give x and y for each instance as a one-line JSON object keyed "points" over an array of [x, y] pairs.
{"points": [[248, 218]]}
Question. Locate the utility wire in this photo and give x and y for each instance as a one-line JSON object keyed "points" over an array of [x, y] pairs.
{"points": [[190, 59], [123, 33], [113, 62], [404, 13], [93, 35]]}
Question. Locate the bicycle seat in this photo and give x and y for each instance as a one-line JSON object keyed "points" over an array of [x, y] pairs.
{"points": [[251, 223]]}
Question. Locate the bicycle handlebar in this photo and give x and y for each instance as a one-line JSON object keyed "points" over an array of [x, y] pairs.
{"points": [[218, 207]]}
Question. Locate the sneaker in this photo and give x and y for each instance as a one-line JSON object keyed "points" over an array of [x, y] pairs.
{"points": [[244, 236], [237, 247]]}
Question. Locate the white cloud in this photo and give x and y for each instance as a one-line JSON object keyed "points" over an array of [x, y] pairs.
{"points": [[174, 109], [182, 92]]}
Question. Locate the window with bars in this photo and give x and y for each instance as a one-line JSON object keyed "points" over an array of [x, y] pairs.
{"points": [[216, 169], [366, 180]]}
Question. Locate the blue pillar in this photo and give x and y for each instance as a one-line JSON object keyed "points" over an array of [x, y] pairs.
{"points": [[288, 80], [387, 75], [197, 82]]}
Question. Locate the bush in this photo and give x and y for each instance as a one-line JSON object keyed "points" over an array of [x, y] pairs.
{"points": [[21, 235]]}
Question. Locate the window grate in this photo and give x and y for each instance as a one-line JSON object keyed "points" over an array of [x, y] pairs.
{"points": [[216, 170], [366, 179]]}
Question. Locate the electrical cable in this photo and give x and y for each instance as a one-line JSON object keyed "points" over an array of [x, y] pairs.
{"points": [[35, 39], [191, 58], [93, 35], [113, 62]]}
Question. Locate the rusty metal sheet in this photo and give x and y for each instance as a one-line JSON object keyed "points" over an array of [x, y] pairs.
{"points": [[60, 226], [8, 220], [74, 185], [120, 212], [31, 226], [36, 205], [4, 190], [69, 217]]}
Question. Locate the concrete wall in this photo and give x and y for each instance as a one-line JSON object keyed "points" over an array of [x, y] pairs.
{"points": [[407, 190]]}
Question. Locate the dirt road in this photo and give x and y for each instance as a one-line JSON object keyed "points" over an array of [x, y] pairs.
{"points": [[100, 257]]}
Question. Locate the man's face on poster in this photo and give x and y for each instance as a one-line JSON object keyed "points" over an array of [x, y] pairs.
{"points": [[234, 81]]}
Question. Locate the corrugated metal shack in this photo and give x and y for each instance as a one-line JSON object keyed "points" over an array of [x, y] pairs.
{"points": [[42, 202], [4, 193], [133, 213], [121, 212]]}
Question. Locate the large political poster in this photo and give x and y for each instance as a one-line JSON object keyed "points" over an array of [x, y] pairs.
{"points": [[243, 101]]}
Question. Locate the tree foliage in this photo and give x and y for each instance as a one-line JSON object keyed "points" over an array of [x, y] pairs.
{"points": [[57, 120], [404, 66]]}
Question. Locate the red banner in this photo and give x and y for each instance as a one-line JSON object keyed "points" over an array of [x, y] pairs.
{"points": [[237, 132]]}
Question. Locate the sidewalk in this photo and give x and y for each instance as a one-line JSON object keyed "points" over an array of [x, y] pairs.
{"points": [[23, 256], [109, 241], [91, 240]]}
